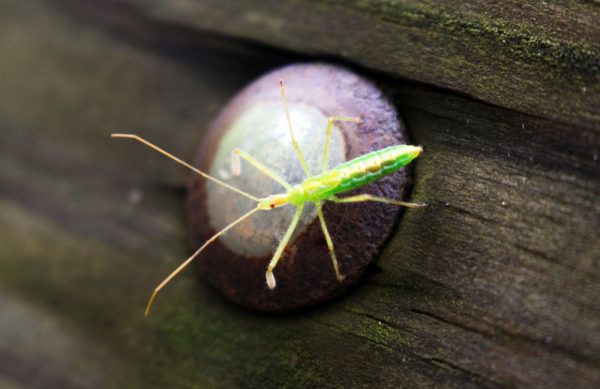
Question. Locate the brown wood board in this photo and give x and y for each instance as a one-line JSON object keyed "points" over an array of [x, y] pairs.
{"points": [[494, 284]]}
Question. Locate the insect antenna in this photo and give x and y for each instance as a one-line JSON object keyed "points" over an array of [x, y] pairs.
{"points": [[192, 257], [174, 158]]}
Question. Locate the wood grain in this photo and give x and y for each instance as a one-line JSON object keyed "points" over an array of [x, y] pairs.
{"points": [[494, 284], [541, 58]]}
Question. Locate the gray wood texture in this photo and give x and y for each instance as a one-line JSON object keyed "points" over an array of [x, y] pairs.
{"points": [[538, 57], [496, 283]]}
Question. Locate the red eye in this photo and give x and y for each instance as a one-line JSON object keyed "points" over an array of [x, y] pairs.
{"points": [[272, 206]]}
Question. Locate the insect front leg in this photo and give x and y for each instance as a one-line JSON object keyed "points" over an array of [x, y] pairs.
{"points": [[339, 277], [368, 197], [284, 241], [236, 168]]}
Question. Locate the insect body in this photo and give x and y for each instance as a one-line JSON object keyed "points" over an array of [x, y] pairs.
{"points": [[358, 172], [315, 188]]}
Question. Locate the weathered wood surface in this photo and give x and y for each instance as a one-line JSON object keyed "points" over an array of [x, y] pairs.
{"points": [[495, 284], [538, 57]]}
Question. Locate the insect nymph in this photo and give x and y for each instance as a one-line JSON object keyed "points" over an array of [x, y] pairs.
{"points": [[315, 189]]}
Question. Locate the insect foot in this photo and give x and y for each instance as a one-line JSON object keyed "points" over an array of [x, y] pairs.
{"points": [[271, 283]]}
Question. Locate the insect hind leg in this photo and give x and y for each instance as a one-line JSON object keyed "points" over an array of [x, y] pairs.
{"points": [[368, 197]]}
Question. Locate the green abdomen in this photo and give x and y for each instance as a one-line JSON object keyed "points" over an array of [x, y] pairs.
{"points": [[359, 171]]}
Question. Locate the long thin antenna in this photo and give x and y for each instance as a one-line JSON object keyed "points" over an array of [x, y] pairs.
{"points": [[174, 158], [289, 121], [190, 259]]}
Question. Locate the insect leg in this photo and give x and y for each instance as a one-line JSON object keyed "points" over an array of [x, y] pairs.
{"points": [[330, 122], [191, 258], [368, 197], [329, 242], [237, 153], [284, 241], [179, 161], [289, 121]]}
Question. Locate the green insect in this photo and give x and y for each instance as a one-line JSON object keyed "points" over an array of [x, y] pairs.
{"points": [[315, 188]]}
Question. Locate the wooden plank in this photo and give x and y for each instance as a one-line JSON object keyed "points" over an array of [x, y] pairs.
{"points": [[494, 284], [541, 58]]}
